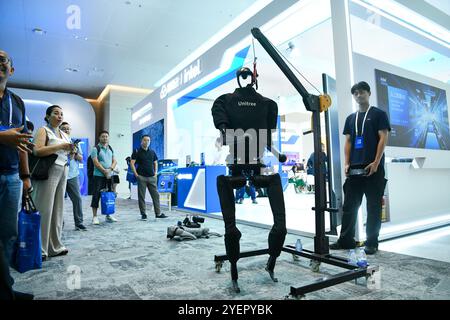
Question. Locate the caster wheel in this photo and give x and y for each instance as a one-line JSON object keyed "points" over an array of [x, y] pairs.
{"points": [[295, 257], [219, 265], [314, 265]]}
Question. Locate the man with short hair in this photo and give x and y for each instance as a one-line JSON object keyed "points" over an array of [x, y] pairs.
{"points": [[14, 173], [104, 163], [146, 175], [30, 127], [73, 186], [366, 134]]}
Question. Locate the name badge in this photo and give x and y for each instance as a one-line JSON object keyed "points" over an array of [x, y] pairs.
{"points": [[359, 143]]}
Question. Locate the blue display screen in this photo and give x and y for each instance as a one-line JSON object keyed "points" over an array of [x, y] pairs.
{"points": [[418, 112]]}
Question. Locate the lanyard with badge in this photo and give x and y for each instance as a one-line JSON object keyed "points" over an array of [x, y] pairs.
{"points": [[2, 128], [359, 140]]}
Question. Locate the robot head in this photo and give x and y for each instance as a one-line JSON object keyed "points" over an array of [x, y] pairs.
{"points": [[244, 72]]}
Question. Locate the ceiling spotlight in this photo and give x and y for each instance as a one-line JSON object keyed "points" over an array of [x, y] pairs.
{"points": [[39, 31], [292, 50]]}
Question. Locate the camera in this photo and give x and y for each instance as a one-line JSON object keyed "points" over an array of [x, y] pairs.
{"points": [[198, 219], [195, 223]]}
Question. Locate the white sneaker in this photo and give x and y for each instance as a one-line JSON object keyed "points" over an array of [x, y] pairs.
{"points": [[110, 219], [95, 221]]}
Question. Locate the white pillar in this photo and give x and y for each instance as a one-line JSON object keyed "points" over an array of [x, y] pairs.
{"points": [[343, 54]]}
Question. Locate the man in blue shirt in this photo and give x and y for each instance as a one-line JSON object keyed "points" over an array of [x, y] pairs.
{"points": [[104, 163], [73, 186], [366, 134], [14, 172]]}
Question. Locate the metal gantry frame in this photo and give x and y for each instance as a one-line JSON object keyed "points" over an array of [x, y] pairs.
{"points": [[321, 247]]}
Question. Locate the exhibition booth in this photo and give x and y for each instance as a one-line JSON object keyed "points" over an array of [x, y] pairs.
{"points": [[409, 80]]}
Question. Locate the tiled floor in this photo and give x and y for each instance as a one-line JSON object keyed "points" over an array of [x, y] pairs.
{"points": [[133, 259]]}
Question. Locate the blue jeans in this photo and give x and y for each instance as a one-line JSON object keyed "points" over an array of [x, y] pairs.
{"points": [[10, 194], [240, 193]]}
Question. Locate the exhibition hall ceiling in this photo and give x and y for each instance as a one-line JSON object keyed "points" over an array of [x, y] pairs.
{"points": [[80, 46]]}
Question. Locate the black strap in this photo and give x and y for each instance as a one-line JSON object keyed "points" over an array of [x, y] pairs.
{"points": [[28, 204]]}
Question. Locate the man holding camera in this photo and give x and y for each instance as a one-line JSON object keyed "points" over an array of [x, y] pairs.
{"points": [[366, 134], [73, 187]]}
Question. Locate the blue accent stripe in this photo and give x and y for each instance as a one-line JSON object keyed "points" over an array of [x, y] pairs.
{"points": [[230, 74], [292, 140]]}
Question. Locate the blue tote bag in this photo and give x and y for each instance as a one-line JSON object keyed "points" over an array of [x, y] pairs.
{"points": [[27, 253], [108, 201]]}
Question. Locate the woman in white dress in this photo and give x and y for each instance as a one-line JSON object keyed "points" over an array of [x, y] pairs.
{"points": [[48, 195]]}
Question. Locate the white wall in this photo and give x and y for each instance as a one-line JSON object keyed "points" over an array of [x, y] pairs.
{"points": [[117, 109], [77, 111]]}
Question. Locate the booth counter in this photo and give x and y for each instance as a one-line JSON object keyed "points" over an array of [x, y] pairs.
{"points": [[197, 188]]}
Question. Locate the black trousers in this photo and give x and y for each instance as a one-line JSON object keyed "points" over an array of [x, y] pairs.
{"points": [[225, 186], [354, 189], [99, 183]]}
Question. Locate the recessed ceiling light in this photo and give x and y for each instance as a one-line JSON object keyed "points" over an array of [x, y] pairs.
{"points": [[71, 70], [86, 38], [39, 31]]}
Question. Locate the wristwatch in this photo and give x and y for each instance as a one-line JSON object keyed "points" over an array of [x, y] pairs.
{"points": [[24, 176]]}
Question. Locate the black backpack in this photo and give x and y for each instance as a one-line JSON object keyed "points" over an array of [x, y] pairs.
{"points": [[90, 163]]}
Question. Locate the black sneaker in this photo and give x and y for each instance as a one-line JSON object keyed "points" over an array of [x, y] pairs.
{"points": [[338, 246], [370, 250], [81, 227], [144, 217], [161, 216]]}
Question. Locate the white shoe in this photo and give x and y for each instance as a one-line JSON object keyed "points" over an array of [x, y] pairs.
{"points": [[110, 219], [95, 221]]}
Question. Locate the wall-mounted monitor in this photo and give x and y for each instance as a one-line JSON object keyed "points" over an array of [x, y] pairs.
{"points": [[418, 112], [156, 133]]}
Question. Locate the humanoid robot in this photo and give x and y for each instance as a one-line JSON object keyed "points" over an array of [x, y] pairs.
{"points": [[246, 120]]}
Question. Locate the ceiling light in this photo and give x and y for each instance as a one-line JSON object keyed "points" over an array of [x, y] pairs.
{"points": [[71, 70], [39, 31], [408, 19]]}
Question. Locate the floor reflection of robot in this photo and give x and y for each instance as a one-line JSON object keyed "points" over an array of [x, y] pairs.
{"points": [[257, 116]]}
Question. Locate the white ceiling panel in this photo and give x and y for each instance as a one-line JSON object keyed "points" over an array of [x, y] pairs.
{"points": [[126, 42]]}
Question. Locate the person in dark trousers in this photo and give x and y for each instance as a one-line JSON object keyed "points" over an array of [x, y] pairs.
{"points": [[366, 134], [104, 161], [146, 175], [73, 186], [14, 174], [323, 161], [251, 192]]}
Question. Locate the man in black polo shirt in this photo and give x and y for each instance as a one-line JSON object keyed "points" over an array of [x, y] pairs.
{"points": [[147, 168], [366, 134]]}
